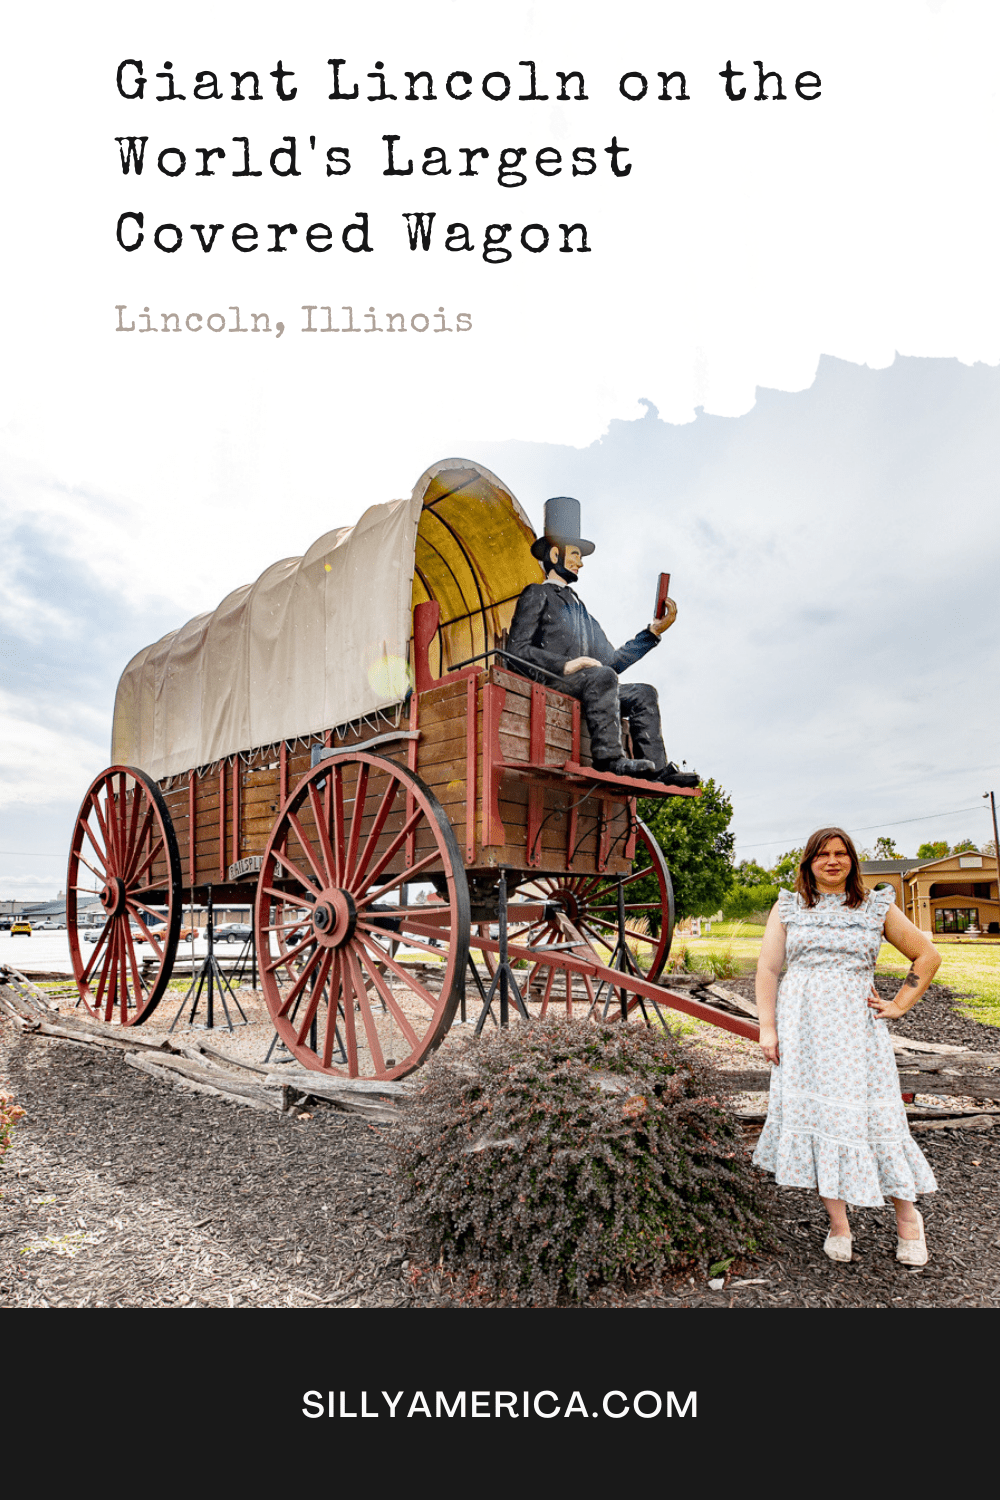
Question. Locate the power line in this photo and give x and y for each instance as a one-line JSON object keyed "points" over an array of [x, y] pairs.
{"points": [[897, 823]]}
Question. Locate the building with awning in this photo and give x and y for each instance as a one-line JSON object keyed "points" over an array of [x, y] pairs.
{"points": [[948, 897]]}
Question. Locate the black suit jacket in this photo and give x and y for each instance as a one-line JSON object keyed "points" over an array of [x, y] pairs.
{"points": [[552, 625]]}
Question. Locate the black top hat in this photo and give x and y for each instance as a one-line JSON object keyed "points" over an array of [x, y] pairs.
{"points": [[562, 528]]}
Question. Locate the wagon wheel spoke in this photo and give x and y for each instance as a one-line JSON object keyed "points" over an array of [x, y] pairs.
{"points": [[88, 970], [628, 906], [612, 929], [303, 974], [294, 871], [153, 941], [396, 844], [357, 873], [397, 880], [84, 828], [307, 848], [320, 806], [90, 867], [388, 998], [290, 898], [386, 958], [353, 969], [287, 955], [109, 852], [329, 946], [109, 955], [591, 904], [357, 816], [335, 796], [133, 845], [157, 847], [315, 993]]}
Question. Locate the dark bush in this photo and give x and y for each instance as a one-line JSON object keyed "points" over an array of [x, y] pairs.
{"points": [[548, 1159]]}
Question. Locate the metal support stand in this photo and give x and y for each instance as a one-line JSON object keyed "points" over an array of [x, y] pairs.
{"points": [[503, 979], [247, 955], [339, 1054], [622, 959], [209, 974]]}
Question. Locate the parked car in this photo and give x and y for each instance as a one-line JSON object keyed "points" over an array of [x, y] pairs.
{"points": [[235, 932], [20, 929], [53, 925]]}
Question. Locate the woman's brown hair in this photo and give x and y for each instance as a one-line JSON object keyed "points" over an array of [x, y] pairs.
{"points": [[805, 884]]}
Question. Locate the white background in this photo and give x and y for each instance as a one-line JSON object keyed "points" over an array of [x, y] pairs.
{"points": [[143, 477]]}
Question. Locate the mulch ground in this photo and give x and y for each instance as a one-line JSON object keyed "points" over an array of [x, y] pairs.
{"points": [[121, 1191]]}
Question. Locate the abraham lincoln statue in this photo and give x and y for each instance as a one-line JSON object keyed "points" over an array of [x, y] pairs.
{"points": [[554, 639]]}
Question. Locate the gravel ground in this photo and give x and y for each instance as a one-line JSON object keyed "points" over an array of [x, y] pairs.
{"points": [[123, 1191]]}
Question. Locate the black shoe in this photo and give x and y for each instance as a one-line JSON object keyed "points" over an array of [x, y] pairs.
{"points": [[623, 767], [672, 775]]}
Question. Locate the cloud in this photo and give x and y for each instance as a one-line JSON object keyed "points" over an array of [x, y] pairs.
{"points": [[833, 560]]}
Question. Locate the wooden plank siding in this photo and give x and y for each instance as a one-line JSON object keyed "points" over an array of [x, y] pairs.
{"points": [[572, 825]]}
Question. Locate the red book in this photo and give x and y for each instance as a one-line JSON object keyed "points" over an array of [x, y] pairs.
{"points": [[662, 592]]}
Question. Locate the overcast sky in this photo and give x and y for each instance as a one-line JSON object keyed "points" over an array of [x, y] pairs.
{"points": [[826, 507], [834, 559]]}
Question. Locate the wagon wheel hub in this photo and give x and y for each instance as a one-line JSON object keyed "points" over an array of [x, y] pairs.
{"points": [[334, 918], [567, 899], [113, 896]]}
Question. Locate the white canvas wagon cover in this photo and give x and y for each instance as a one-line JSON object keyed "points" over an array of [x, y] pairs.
{"points": [[324, 639]]}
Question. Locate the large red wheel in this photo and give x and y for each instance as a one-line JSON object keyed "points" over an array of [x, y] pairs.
{"points": [[347, 995], [124, 851], [587, 909]]}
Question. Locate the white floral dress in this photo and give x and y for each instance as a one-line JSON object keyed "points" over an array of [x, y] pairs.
{"points": [[835, 1119]]}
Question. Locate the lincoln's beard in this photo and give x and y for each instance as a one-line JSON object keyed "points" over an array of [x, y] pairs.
{"points": [[559, 567]]}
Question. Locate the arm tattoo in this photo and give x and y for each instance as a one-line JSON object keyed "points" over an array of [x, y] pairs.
{"points": [[912, 978]]}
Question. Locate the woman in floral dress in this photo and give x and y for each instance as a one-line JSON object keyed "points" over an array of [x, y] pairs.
{"points": [[835, 1119]]}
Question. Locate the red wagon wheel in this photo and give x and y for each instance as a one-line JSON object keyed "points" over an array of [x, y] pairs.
{"points": [[343, 998], [124, 851], [588, 908]]}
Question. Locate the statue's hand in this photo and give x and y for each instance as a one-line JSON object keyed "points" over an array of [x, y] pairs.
{"points": [[578, 664], [659, 626]]}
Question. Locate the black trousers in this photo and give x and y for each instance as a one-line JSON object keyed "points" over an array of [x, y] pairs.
{"points": [[604, 699]]}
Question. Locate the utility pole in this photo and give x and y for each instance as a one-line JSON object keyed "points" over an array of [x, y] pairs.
{"points": [[996, 837]]}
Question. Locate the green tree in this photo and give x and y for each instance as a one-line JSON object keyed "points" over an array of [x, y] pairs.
{"points": [[693, 833], [933, 851], [885, 848], [749, 872], [965, 846], [785, 870]]}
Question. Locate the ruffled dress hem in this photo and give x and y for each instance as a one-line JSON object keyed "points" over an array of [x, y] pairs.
{"points": [[880, 1170]]}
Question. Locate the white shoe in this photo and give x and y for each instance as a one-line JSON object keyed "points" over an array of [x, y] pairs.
{"points": [[838, 1246], [912, 1252]]}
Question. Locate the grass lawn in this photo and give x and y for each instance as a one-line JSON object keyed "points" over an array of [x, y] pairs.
{"points": [[971, 971]]}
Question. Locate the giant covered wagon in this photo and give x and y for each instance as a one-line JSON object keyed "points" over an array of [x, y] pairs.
{"points": [[344, 744]]}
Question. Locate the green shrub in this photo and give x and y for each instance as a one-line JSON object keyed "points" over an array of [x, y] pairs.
{"points": [[724, 965], [551, 1158], [743, 901]]}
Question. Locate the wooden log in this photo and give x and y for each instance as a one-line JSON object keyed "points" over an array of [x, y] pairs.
{"points": [[729, 997], [240, 1093], [951, 1059], [974, 1086], [376, 1101]]}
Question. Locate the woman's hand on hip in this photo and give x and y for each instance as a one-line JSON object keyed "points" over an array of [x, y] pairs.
{"points": [[769, 1043], [887, 1010]]}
